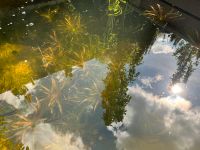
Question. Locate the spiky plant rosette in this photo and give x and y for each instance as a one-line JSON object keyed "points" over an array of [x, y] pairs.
{"points": [[160, 15]]}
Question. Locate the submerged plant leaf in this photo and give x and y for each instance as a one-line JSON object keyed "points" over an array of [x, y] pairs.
{"points": [[54, 94], [72, 24], [160, 15]]}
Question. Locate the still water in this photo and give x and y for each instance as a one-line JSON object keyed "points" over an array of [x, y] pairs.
{"points": [[74, 77]]}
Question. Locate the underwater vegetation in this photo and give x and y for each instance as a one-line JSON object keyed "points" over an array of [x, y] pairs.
{"points": [[93, 97], [15, 127], [54, 94], [48, 57], [161, 16], [72, 24], [16, 76], [115, 7], [5, 143], [18, 127], [87, 85], [49, 15], [16, 66], [51, 52], [194, 37], [79, 58]]}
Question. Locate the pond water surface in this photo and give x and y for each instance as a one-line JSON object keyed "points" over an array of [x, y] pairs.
{"points": [[74, 77]]}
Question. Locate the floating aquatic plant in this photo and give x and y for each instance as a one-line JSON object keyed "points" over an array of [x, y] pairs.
{"points": [[79, 58], [54, 94], [8, 50], [55, 42], [5, 143], [90, 95], [114, 7], [160, 15], [94, 96], [49, 14], [21, 125], [72, 24], [194, 37], [51, 51], [48, 57]]}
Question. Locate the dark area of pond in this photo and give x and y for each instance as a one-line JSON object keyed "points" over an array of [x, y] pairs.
{"points": [[75, 76]]}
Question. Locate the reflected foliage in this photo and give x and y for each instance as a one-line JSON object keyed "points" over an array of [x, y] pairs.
{"points": [[187, 60], [115, 97]]}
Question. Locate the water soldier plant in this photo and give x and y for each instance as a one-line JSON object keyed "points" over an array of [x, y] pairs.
{"points": [[160, 15]]}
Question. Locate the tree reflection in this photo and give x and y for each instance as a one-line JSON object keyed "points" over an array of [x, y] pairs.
{"points": [[115, 97], [187, 60]]}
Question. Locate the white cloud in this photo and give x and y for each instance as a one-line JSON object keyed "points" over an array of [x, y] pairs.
{"points": [[11, 99], [154, 122], [148, 81], [162, 45], [43, 137], [159, 48]]}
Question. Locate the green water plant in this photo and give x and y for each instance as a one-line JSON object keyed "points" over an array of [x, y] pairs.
{"points": [[72, 24], [94, 96], [53, 94], [161, 15], [115, 7], [79, 58], [21, 125], [48, 57], [15, 126], [51, 51], [194, 37], [5, 143], [49, 14]]}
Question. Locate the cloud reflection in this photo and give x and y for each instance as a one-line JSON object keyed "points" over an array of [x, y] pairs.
{"points": [[43, 137], [162, 45], [148, 81], [154, 122]]}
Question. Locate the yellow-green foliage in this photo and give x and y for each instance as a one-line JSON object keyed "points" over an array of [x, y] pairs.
{"points": [[79, 58], [15, 70], [48, 15], [114, 7], [72, 24], [7, 52], [15, 76]]}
